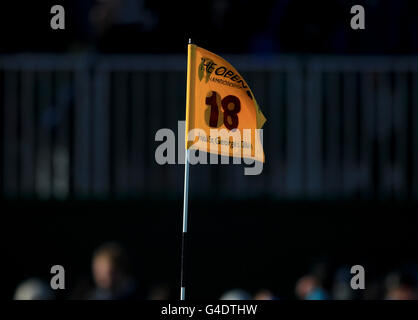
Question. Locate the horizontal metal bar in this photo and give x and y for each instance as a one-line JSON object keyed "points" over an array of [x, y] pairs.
{"points": [[177, 62]]}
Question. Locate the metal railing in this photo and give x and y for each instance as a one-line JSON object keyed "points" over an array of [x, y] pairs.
{"points": [[84, 126]]}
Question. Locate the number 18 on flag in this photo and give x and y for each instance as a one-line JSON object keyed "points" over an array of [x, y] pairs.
{"points": [[222, 115]]}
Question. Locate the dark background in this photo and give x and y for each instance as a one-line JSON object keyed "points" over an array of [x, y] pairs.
{"points": [[249, 244], [259, 238], [273, 26]]}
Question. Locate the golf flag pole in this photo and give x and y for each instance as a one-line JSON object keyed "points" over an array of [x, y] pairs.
{"points": [[186, 187], [185, 216], [221, 106]]}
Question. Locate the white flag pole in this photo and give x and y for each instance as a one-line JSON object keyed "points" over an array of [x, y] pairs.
{"points": [[185, 217]]}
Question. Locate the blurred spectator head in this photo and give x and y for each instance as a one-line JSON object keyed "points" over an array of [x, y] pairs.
{"points": [[236, 294], [264, 294], [400, 286], [33, 289], [308, 288], [109, 266]]}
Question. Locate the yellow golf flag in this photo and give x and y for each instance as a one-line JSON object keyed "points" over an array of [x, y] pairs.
{"points": [[222, 115]]}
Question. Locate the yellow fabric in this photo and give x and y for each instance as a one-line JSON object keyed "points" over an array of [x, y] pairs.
{"points": [[214, 84]]}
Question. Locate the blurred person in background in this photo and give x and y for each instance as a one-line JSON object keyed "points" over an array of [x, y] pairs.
{"points": [[111, 275], [264, 294], [308, 288], [235, 294], [34, 289], [400, 286]]}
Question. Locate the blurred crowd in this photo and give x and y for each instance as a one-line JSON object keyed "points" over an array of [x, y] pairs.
{"points": [[113, 279]]}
